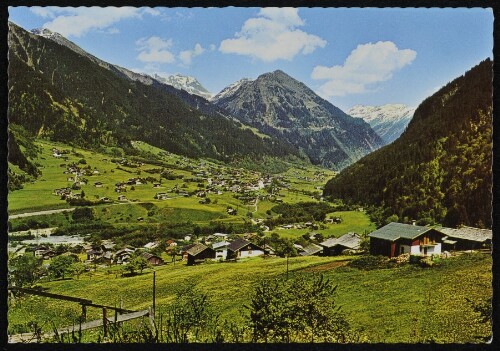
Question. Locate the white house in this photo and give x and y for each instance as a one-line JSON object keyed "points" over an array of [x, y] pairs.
{"points": [[220, 249], [241, 248], [395, 239]]}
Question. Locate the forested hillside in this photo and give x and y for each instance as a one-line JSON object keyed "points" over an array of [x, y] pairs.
{"points": [[57, 93], [440, 168]]}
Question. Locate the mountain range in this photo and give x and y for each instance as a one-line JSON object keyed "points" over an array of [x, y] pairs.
{"points": [[388, 121], [279, 105], [59, 91], [439, 169]]}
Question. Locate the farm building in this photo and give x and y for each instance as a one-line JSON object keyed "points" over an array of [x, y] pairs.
{"points": [[335, 246], [93, 254], [311, 249], [152, 259], [395, 239], [466, 238], [269, 250], [199, 253], [241, 248], [123, 256]]}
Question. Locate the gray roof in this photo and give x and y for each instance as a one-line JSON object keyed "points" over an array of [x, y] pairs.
{"points": [[311, 249], [330, 242], [350, 240], [196, 249], [467, 233], [393, 231], [220, 244]]}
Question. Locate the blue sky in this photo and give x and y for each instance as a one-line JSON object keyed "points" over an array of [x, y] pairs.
{"points": [[348, 56]]}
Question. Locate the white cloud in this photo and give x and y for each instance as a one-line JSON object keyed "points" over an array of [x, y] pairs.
{"points": [[78, 21], [155, 49], [366, 65], [186, 56], [151, 11], [42, 11], [272, 36], [112, 30]]}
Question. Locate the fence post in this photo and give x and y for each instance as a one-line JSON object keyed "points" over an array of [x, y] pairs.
{"points": [[105, 322], [84, 312]]}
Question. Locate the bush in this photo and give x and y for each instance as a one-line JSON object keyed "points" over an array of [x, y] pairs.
{"points": [[426, 262], [370, 262], [83, 214], [302, 309]]}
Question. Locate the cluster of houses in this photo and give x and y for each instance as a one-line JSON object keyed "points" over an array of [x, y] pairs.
{"points": [[222, 250], [391, 240]]}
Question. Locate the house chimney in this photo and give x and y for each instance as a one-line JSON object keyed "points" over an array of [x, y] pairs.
{"points": [[413, 222]]}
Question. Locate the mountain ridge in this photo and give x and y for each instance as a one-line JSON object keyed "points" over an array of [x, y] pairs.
{"points": [[58, 93]]}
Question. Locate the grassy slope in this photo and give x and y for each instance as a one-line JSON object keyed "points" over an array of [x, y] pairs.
{"points": [[38, 195], [406, 304]]}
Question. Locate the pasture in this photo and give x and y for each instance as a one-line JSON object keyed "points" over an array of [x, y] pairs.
{"points": [[404, 304]]}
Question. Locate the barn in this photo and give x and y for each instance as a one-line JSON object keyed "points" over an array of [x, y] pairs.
{"points": [[152, 259], [466, 238], [395, 239], [312, 250], [199, 253], [335, 246]]}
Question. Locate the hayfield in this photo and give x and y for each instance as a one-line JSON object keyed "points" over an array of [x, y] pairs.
{"points": [[405, 304]]}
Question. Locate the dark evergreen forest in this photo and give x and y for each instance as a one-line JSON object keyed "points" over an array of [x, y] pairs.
{"points": [[439, 169]]}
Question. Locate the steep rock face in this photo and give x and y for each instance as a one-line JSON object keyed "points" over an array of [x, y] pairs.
{"points": [[389, 121], [65, 94], [279, 105], [439, 169]]}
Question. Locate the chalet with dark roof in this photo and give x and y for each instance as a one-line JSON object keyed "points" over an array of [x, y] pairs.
{"points": [[152, 259], [198, 253], [241, 248], [395, 239]]}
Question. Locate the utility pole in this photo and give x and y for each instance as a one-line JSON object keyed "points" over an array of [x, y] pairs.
{"points": [[154, 291], [286, 266]]}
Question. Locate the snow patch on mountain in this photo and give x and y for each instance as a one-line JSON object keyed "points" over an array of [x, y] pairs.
{"points": [[389, 121], [186, 83]]}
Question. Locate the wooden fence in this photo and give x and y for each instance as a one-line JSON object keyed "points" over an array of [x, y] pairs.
{"points": [[121, 315]]}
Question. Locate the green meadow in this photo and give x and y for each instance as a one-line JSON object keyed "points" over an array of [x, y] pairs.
{"points": [[406, 304]]}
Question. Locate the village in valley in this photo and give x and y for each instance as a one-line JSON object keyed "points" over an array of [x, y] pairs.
{"points": [[205, 182]]}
